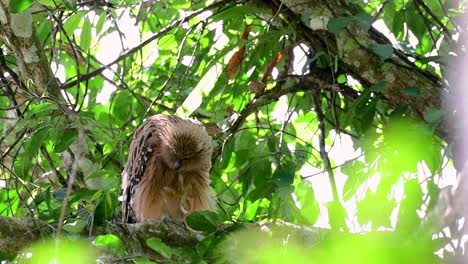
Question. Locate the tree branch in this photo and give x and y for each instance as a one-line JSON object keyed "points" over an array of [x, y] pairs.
{"points": [[18, 233], [351, 47], [20, 36]]}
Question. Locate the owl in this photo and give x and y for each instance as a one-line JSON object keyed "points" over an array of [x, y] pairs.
{"points": [[167, 173]]}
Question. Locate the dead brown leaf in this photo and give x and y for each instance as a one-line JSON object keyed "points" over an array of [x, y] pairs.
{"points": [[257, 87]]}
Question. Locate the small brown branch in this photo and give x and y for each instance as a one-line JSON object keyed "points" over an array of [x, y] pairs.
{"points": [[54, 169], [336, 209], [71, 181], [322, 135]]}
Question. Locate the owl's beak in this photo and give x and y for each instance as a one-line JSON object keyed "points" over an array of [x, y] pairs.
{"points": [[177, 164]]}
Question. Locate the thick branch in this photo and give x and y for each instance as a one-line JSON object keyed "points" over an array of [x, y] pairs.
{"points": [[352, 48], [18, 233], [18, 33]]}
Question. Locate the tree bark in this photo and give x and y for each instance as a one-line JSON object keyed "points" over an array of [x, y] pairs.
{"points": [[17, 234], [352, 48], [18, 33]]}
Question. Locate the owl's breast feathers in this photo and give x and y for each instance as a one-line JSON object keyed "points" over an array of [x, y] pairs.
{"points": [[152, 189]]}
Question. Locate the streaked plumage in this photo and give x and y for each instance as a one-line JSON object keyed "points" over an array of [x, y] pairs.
{"points": [[167, 173]]}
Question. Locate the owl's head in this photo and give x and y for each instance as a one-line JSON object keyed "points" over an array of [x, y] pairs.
{"points": [[188, 147]]}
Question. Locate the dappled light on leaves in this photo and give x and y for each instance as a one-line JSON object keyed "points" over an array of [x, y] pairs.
{"points": [[64, 250], [274, 244], [406, 142], [395, 154], [109, 243]]}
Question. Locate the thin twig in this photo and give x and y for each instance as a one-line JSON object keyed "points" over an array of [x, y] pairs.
{"points": [[71, 180], [322, 135], [54, 168]]}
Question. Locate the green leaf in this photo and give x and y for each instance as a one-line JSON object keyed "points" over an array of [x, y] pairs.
{"points": [[337, 25], [366, 114], [37, 140], [337, 214], [43, 30], [399, 111], [49, 3], [409, 219], [341, 78], [310, 209], [354, 109], [43, 109], [251, 210], [120, 108], [31, 147], [261, 173], [398, 23], [110, 243], [284, 174], [103, 180], [59, 194], [203, 221], [413, 21], [100, 23], [75, 227], [433, 116], [425, 44], [70, 4], [377, 87], [17, 6], [22, 166], [159, 246], [85, 38], [4, 102], [411, 91], [384, 51], [65, 139], [364, 21], [355, 170], [72, 22], [82, 194], [105, 207]]}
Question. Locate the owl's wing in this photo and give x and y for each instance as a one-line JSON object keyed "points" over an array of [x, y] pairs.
{"points": [[145, 141]]}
